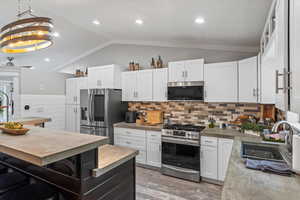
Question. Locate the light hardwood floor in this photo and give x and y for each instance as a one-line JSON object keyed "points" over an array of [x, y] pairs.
{"points": [[151, 185]]}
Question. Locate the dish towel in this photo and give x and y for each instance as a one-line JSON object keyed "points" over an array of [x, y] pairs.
{"points": [[269, 166]]}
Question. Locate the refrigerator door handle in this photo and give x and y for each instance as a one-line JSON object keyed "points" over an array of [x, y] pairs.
{"points": [[90, 107]]}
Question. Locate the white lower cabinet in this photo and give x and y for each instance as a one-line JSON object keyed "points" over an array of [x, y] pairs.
{"points": [[209, 158], [209, 162], [154, 148], [224, 153], [215, 155], [147, 142], [72, 118]]}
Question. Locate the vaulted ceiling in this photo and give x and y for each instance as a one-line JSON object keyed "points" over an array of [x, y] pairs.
{"points": [[228, 23]]}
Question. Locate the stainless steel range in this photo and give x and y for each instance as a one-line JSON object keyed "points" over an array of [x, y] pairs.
{"points": [[181, 151]]}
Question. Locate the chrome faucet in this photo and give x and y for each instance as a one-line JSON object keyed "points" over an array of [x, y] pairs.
{"points": [[289, 137], [7, 102]]}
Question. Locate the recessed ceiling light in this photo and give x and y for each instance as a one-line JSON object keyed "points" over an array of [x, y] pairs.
{"points": [[96, 22], [56, 34], [139, 22], [47, 59], [200, 20]]}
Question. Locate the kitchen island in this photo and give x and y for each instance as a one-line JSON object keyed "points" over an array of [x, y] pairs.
{"points": [[72, 163]]}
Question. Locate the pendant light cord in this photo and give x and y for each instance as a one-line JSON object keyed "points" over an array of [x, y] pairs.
{"points": [[19, 8]]}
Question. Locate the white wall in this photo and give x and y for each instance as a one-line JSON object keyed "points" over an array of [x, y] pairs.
{"points": [[52, 106], [35, 82], [122, 54], [44, 92]]}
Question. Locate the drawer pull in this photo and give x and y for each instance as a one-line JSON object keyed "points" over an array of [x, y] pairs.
{"points": [[206, 141], [128, 142]]}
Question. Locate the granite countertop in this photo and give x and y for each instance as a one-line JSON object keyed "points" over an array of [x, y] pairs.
{"points": [[137, 126], [41, 146], [223, 133], [31, 120], [112, 156], [246, 184]]}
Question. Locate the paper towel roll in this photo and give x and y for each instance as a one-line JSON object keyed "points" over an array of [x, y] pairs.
{"points": [[296, 153]]}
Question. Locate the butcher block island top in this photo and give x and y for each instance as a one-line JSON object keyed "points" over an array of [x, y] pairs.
{"points": [[41, 146]]}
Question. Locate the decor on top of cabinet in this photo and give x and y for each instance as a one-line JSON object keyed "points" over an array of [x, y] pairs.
{"points": [[134, 66], [157, 64], [79, 73]]}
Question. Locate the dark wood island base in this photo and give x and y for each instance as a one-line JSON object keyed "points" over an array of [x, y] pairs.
{"points": [[74, 180]]}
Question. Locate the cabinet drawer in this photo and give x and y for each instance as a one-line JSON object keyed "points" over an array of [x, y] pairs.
{"points": [[141, 157], [130, 132], [154, 136], [209, 141], [134, 143]]}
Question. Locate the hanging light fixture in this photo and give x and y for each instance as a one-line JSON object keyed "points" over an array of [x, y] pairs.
{"points": [[27, 34]]}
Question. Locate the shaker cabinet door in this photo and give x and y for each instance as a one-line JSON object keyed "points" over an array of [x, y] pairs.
{"points": [[209, 162], [224, 153], [248, 90], [129, 86], [144, 85], [194, 70], [176, 71], [221, 83], [295, 58], [160, 84]]}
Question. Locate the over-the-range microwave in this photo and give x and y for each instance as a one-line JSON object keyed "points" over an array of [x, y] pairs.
{"points": [[186, 91]]}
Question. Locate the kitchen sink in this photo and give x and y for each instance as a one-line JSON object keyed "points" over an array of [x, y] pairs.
{"points": [[261, 152]]}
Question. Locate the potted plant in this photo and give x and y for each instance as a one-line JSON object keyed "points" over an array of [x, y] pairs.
{"points": [[252, 128]]}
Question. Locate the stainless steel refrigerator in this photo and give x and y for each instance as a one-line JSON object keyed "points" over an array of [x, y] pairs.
{"points": [[99, 110]]}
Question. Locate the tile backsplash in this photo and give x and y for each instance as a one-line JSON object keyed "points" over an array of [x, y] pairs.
{"points": [[198, 113]]}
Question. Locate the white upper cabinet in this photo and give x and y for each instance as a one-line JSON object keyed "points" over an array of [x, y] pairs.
{"points": [[137, 85], [72, 91], [221, 83], [194, 70], [268, 94], [295, 58], [129, 86], [105, 77], [188, 70], [176, 71], [160, 84], [83, 83], [248, 91], [281, 63], [274, 61], [144, 85]]}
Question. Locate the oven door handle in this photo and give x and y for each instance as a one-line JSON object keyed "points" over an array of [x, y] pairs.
{"points": [[180, 169], [180, 141]]}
